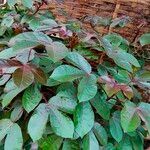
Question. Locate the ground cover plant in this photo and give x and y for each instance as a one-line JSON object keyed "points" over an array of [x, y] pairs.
{"points": [[64, 88]]}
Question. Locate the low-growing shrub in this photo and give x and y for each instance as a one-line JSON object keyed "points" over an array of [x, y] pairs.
{"points": [[64, 88]]}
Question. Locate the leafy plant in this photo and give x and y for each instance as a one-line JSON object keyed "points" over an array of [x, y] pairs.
{"points": [[68, 90]]}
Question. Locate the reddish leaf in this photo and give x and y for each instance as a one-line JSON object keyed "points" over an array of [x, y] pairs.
{"points": [[63, 33], [111, 89], [106, 79], [39, 75], [1, 72], [127, 91], [9, 63], [23, 76]]}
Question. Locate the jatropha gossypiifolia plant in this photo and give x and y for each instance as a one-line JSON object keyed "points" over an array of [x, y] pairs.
{"points": [[64, 88]]}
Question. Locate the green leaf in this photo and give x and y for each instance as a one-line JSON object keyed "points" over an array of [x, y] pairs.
{"points": [[7, 21], [70, 145], [65, 73], [125, 144], [51, 82], [61, 124], [121, 21], [29, 40], [52, 142], [79, 61], [102, 70], [27, 3], [4, 79], [137, 141], [7, 53], [101, 106], [90, 142], [23, 77], [11, 2], [16, 113], [14, 139], [47, 64], [87, 88], [2, 30], [123, 59], [100, 133], [67, 90], [57, 51], [46, 24], [109, 146], [37, 122], [115, 39], [83, 118], [115, 128], [64, 104], [31, 98], [144, 111], [129, 117], [34, 23], [145, 39], [11, 94], [5, 125]]}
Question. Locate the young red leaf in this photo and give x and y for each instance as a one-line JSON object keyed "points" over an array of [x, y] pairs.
{"points": [[39, 75], [23, 76], [127, 91], [4, 63], [106, 79], [112, 89]]}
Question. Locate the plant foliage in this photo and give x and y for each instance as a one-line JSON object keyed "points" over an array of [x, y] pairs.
{"points": [[68, 90]]}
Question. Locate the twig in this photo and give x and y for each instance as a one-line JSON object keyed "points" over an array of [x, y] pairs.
{"points": [[38, 8]]}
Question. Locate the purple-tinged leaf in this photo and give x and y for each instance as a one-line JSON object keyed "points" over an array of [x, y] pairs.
{"points": [[23, 76]]}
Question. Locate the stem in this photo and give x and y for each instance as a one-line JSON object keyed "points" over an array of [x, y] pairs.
{"points": [[38, 8], [43, 97], [16, 9], [29, 55]]}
